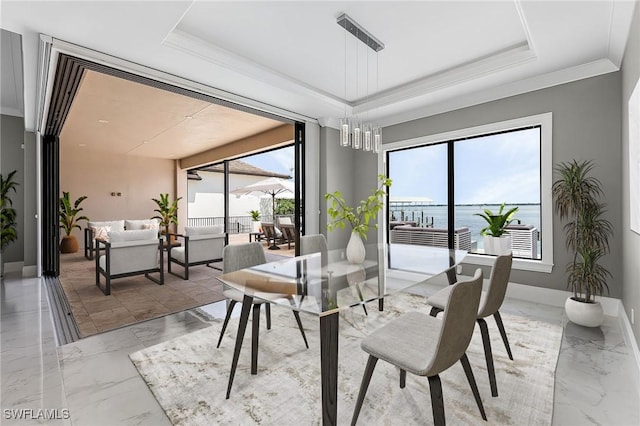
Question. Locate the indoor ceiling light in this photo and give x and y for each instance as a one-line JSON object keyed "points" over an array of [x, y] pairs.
{"points": [[354, 132]]}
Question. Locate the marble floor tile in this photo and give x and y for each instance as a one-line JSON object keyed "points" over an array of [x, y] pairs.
{"points": [[95, 380]]}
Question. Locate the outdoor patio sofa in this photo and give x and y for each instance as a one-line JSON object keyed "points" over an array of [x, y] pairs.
{"points": [[436, 237], [100, 230]]}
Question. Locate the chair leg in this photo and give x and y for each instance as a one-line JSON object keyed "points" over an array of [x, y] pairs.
{"points": [[503, 333], [435, 311], [486, 342], [403, 378], [232, 303], [437, 402], [267, 311], [472, 383], [366, 378], [255, 331]]}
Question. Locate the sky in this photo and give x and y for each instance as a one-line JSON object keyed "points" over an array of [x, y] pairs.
{"points": [[488, 170], [279, 160]]}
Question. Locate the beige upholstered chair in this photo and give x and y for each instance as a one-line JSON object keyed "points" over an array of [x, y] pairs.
{"points": [[240, 256], [315, 243], [425, 346], [129, 253], [490, 303], [200, 245]]}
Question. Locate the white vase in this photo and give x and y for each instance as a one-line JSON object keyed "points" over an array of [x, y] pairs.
{"points": [[497, 245], [255, 226], [585, 314], [355, 249]]}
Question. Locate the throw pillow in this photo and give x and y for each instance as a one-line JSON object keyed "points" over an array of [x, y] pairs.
{"points": [[101, 232]]}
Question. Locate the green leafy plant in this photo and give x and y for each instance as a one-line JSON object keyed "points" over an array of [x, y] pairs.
{"points": [[497, 221], [167, 211], [255, 215], [576, 195], [284, 206], [69, 213], [8, 213], [360, 216]]}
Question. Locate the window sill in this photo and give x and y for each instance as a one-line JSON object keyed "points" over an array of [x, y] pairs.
{"points": [[520, 264]]}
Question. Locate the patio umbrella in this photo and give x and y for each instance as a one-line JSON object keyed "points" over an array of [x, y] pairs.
{"points": [[271, 186]]}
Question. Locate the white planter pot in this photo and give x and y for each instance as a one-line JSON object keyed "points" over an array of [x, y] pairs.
{"points": [[585, 314], [355, 249], [497, 245], [255, 226]]}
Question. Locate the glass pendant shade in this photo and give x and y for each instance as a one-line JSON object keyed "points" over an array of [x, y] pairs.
{"points": [[345, 132], [367, 138], [357, 136], [377, 139]]}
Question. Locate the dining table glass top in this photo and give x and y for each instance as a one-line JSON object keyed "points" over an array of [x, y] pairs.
{"points": [[326, 282]]}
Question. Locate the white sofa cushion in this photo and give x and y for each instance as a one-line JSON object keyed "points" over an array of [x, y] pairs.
{"points": [[141, 224], [135, 235], [132, 256], [201, 248], [203, 230], [114, 225]]}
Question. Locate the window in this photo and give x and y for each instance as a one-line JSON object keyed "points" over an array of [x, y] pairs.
{"points": [[442, 181]]}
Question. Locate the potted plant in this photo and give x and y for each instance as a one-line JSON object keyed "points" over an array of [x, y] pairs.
{"points": [[69, 221], [358, 217], [167, 212], [255, 220], [497, 240], [8, 215], [576, 195]]}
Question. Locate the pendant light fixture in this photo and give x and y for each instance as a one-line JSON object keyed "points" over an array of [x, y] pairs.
{"points": [[354, 132]]}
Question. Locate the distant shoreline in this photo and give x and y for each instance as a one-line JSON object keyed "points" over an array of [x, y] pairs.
{"points": [[398, 203]]}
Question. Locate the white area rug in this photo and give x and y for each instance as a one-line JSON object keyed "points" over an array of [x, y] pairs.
{"points": [[188, 375]]}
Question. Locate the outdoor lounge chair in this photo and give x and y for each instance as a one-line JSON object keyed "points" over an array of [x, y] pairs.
{"points": [[129, 253], [201, 245]]}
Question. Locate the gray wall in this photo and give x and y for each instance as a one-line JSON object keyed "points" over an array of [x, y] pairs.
{"points": [[12, 158], [630, 240], [353, 173], [586, 125], [30, 234]]}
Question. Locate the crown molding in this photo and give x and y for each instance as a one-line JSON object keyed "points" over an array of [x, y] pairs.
{"points": [[568, 75]]}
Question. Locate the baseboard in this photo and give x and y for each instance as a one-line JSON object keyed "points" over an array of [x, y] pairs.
{"points": [[30, 271], [553, 297], [13, 266], [630, 339]]}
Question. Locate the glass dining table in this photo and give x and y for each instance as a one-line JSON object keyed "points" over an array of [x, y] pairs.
{"points": [[326, 283]]}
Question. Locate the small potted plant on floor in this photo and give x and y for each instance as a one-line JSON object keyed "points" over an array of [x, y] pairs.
{"points": [[8, 215], [255, 220], [69, 218], [358, 217], [167, 212], [497, 240], [576, 195]]}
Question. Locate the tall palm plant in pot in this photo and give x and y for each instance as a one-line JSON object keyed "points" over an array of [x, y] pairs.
{"points": [[167, 211], [69, 218], [576, 194], [8, 215]]}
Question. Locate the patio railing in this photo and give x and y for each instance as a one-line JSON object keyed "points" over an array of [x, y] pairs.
{"points": [[235, 224]]}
